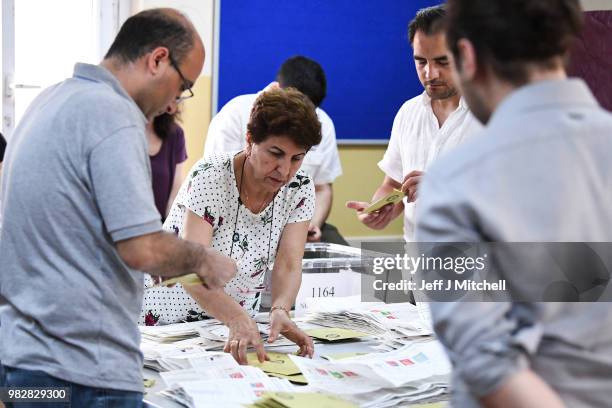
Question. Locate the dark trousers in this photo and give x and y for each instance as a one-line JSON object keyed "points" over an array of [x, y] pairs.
{"points": [[330, 234], [80, 395]]}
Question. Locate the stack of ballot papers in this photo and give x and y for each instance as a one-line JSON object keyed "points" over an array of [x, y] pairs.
{"points": [[169, 347], [226, 393], [300, 400], [419, 372], [174, 332], [217, 380], [394, 325]]}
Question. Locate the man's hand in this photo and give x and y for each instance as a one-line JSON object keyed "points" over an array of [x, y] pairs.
{"points": [[243, 332], [217, 269], [280, 323], [314, 233], [411, 184], [376, 220]]}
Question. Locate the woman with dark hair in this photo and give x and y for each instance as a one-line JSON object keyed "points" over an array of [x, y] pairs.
{"points": [[168, 154], [254, 206]]}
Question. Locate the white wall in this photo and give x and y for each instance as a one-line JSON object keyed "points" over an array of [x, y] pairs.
{"points": [[591, 5]]}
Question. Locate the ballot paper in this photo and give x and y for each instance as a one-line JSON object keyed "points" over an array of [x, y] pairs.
{"points": [[278, 363], [332, 334], [220, 334], [190, 279], [341, 356], [233, 393], [300, 400], [410, 367], [388, 397], [394, 325], [171, 378], [393, 197], [175, 332]]}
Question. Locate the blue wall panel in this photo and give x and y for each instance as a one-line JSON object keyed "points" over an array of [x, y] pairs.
{"points": [[361, 44]]}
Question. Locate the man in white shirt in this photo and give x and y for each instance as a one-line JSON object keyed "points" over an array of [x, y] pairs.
{"points": [[425, 126], [227, 133]]}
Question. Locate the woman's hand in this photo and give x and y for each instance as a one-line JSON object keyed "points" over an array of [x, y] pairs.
{"points": [[280, 323], [243, 332]]}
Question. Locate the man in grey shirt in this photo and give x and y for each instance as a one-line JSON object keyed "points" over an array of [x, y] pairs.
{"points": [[539, 171], [80, 223]]}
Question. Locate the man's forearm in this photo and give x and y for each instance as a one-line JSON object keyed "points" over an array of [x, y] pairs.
{"points": [[162, 254], [323, 202], [524, 389]]}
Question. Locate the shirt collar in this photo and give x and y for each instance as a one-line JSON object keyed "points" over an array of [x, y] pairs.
{"points": [[544, 94], [98, 73], [426, 101]]}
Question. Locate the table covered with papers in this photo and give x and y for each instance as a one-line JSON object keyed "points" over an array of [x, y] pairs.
{"points": [[366, 355]]}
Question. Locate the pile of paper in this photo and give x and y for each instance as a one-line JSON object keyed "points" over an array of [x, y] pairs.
{"points": [[170, 347], [300, 400], [395, 325], [227, 393], [416, 373], [216, 379], [175, 332]]}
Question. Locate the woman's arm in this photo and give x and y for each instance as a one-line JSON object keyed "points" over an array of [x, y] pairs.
{"points": [[286, 281], [179, 177], [287, 271], [217, 303]]}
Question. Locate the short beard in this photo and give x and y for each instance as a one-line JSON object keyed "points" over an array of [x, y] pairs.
{"points": [[448, 93]]}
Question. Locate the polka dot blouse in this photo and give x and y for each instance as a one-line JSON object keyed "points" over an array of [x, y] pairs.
{"points": [[210, 191]]}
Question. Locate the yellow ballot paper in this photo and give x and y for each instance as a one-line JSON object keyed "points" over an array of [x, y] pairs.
{"points": [[191, 279], [279, 363], [334, 334], [393, 197], [301, 400]]}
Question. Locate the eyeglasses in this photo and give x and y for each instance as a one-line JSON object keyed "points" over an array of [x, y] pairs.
{"points": [[187, 92]]}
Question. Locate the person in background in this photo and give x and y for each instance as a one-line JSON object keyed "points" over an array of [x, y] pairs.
{"points": [[539, 172], [2, 150], [425, 127], [227, 133], [80, 223], [168, 154], [254, 206]]}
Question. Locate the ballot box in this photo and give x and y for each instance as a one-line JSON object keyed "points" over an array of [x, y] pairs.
{"points": [[328, 270]]}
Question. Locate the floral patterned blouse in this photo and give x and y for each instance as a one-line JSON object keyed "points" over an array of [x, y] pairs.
{"points": [[210, 191]]}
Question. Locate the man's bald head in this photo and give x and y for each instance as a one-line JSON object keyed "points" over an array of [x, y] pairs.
{"points": [[149, 29]]}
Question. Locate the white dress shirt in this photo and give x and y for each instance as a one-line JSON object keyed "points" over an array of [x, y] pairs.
{"points": [[417, 140]]}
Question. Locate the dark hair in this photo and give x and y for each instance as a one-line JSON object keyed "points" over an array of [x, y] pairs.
{"points": [[508, 34], [306, 75], [164, 124], [285, 112], [429, 20], [149, 29], [2, 147]]}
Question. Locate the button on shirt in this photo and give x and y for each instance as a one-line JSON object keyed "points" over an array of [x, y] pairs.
{"points": [[76, 180], [417, 140], [227, 134]]}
